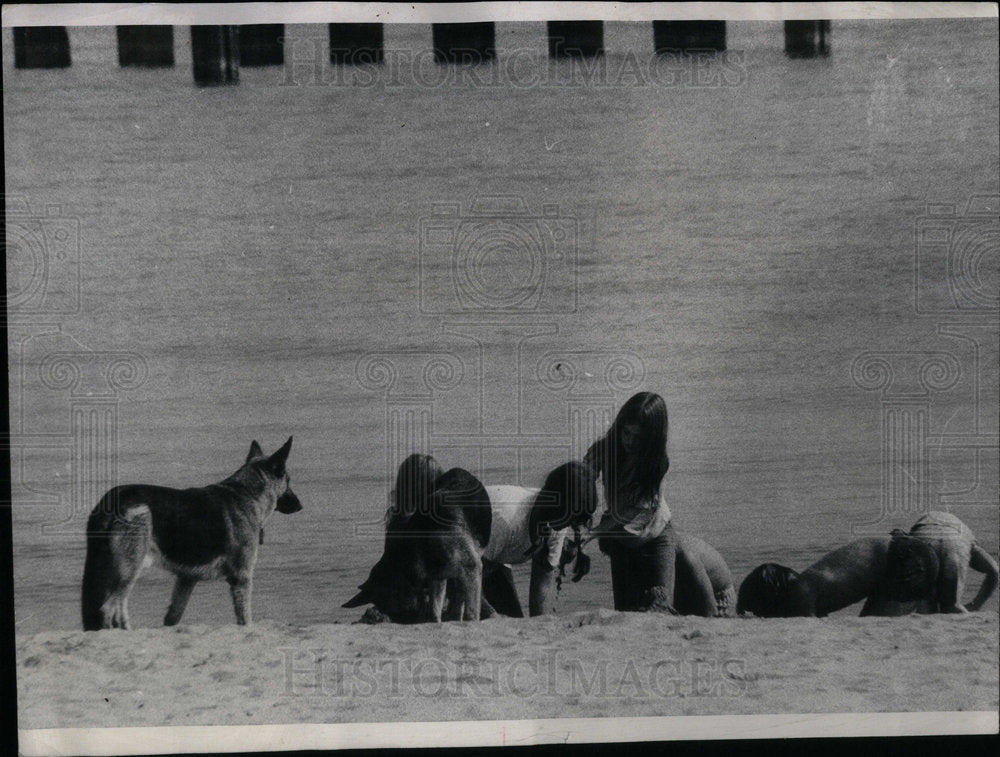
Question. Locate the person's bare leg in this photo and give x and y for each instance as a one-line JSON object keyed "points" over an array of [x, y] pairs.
{"points": [[653, 571], [699, 597], [951, 582], [982, 562]]}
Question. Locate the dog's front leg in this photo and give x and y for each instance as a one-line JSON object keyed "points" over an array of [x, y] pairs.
{"points": [[182, 593], [473, 592], [439, 590], [240, 578], [453, 601], [239, 573], [240, 587]]}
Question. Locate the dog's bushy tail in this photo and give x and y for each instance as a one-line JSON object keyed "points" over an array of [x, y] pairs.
{"points": [[97, 567]]}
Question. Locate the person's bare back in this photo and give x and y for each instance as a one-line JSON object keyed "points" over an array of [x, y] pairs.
{"points": [[923, 571], [703, 584]]}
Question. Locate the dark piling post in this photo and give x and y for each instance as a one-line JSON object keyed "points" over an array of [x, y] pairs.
{"points": [[41, 47], [464, 43], [146, 46], [576, 39], [262, 45], [689, 35], [216, 51], [354, 44], [807, 39]]}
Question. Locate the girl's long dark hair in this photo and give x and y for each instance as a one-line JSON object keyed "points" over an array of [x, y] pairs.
{"points": [[415, 481], [567, 498], [766, 592], [642, 468]]}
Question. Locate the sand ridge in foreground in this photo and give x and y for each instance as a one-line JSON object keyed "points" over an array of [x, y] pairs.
{"points": [[590, 664]]}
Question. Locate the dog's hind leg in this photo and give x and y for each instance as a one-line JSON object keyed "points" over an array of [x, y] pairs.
{"points": [[130, 541], [115, 611], [124, 613], [109, 613], [183, 587]]}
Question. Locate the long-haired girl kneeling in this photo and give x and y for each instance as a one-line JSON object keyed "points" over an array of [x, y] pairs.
{"points": [[635, 531]]}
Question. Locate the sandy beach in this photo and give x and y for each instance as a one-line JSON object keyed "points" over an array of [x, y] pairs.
{"points": [[589, 664], [770, 243]]}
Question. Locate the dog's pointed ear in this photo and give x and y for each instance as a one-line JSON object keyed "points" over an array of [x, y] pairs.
{"points": [[359, 599], [279, 458], [255, 451]]}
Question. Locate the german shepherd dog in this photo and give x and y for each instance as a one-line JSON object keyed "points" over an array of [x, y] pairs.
{"points": [[568, 498], [433, 549], [198, 534]]}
